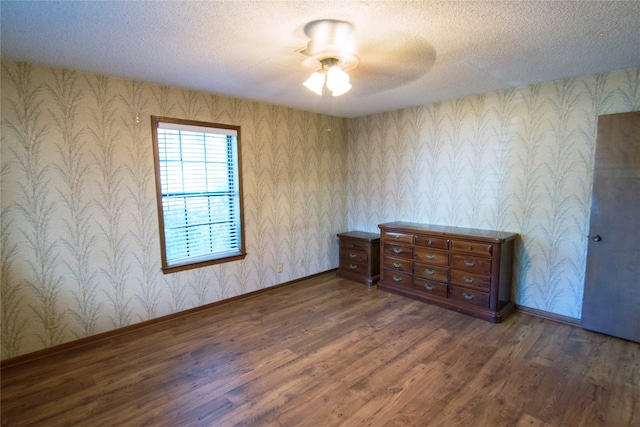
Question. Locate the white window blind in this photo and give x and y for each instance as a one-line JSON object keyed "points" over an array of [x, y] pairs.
{"points": [[198, 168]]}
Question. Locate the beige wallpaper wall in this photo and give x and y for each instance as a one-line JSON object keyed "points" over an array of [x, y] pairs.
{"points": [[518, 160], [79, 240], [79, 231]]}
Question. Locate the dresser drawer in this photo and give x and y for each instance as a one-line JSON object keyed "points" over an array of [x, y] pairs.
{"points": [[391, 237], [431, 272], [398, 251], [472, 248], [353, 255], [466, 278], [398, 264], [432, 241], [471, 263], [430, 288], [431, 256], [399, 279], [469, 296]]}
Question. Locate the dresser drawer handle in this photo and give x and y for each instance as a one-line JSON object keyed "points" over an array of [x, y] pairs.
{"points": [[469, 263], [397, 279], [467, 296], [397, 264], [431, 272], [429, 242], [468, 280], [469, 248], [352, 255], [353, 267], [430, 256], [397, 250], [429, 287]]}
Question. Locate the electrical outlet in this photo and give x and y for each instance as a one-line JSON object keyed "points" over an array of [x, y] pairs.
{"points": [[280, 267], [52, 322]]}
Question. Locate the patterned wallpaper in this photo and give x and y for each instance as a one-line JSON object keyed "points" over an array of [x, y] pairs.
{"points": [[80, 253], [78, 231], [517, 160]]}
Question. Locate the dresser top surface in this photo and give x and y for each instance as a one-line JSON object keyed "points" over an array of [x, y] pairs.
{"points": [[446, 230]]}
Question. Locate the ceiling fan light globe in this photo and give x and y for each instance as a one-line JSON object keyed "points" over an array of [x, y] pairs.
{"points": [[315, 83], [341, 89], [335, 76], [337, 81]]}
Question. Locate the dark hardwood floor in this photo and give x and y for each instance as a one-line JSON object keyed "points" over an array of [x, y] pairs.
{"points": [[325, 352]]}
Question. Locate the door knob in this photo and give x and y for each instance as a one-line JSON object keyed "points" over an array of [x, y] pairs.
{"points": [[596, 238]]}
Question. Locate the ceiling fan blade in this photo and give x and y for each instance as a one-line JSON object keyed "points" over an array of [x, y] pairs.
{"points": [[392, 63]]}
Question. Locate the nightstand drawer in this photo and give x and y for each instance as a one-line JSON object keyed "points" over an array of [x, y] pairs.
{"points": [[353, 267], [357, 245], [353, 255]]}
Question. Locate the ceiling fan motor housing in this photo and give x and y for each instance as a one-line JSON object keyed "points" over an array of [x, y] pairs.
{"points": [[330, 38]]}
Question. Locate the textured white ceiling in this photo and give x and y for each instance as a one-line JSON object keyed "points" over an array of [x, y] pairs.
{"points": [[410, 52]]}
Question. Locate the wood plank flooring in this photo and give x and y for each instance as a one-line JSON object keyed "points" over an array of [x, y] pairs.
{"points": [[329, 352]]}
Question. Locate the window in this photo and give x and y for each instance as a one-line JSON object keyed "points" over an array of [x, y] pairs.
{"points": [[199, 192]]}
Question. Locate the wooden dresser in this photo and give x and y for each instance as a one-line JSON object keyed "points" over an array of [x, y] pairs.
{"points": [[359, 257], [462, 269]]}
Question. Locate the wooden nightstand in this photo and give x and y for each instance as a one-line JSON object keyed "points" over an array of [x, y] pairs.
{"points": [[359, 257]]}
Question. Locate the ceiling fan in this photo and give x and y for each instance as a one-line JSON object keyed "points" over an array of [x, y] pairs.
{"points": [[333, 51], [332, 46]]}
